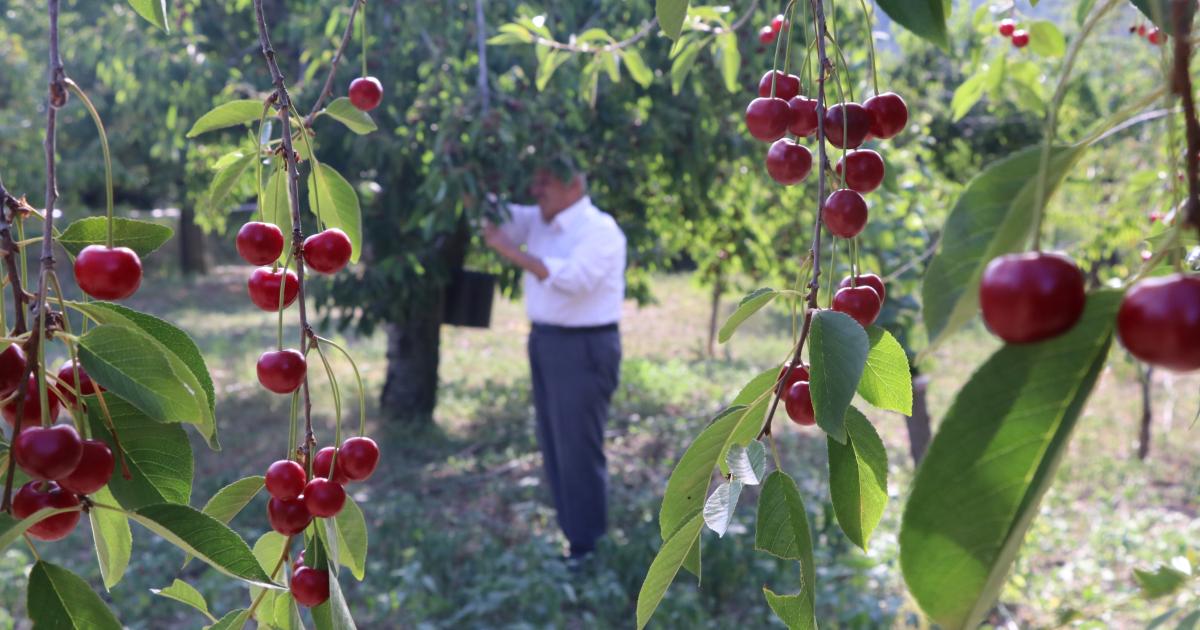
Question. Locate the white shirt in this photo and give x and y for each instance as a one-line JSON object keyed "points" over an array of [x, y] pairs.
{"points": [[584, 251]]}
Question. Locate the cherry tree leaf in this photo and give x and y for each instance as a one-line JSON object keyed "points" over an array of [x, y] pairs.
{"points": [[159, 455], [887, 378], [237, 112], [112, 538], [858, 478], [186, 594], [782, 530], [838, 349], [751, 304], [665, 567], [670, 15], [57, 598], [153, 11], [204, 537], [356, 120], [143, 237], [718, 510], [337, 201], [925, 18]]}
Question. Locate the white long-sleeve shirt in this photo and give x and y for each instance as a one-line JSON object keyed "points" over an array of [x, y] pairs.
{"points": [[584, 250]]}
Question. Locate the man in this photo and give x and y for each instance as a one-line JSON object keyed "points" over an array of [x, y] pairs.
{"points": [[574, 262]]}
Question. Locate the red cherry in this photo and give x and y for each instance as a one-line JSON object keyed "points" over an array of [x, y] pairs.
{"points": [[766, 35], [12, 369], [1155, 36], [1159, 322], [358, 457], [66, 375], [310, 587], [778, 23], [861, 302], [798, 403], [366, 93], [288, 517], [1141, 30], [889, 115], [281, 371], [803, 116], [1030, 297], [264, 288], [845, 213], [1007, 27], [328, 251], [787, 162], [324, 498], [870, 280], [847, 125], [259, 243], [799, 373], [768, 118], [786, 85], [38, 495], [1020, 38], [285, 480], [32, 412], [863, 170], [108, 274], [94, 471], [323, 461], [48, 453]]}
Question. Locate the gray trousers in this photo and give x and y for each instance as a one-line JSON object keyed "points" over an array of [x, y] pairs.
{"points": [[575, 372]]}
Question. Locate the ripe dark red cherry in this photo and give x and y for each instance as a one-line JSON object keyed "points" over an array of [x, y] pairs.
{"points": [[108, 274], [1006, 27], [803, 116], [12, 369], [787, 162], [1020, 38], [845, 213], [1155, 36], [94, 471], [1159, 322], [366, 93], [863, 170], [32, 412], [285, 480], [281, 371], [870, 280], [768, 118], [324, 460], [39, 495], [798, 403], [847, 125], [288, 517], [889, 115], [786, 85], [1031, 297], [310, 587], [264, 288], [327, 251], [799, 373], [48, 453], [259, 243], [766, 35], [861, 302], [778, 23], [66, 375], [358, 457], [324, 498]]}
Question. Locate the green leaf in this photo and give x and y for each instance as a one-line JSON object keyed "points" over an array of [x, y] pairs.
{"points": [[225, 179], [683, 62], [550, 62], [967, 94], [795, 611], [1082, 10], [113, 540], [747, 463], [1161, 582], [994, 456], [925, 18], [511, 34], [233, 620], [608, 61], [159, 456], [1045, 39], [637, 68], [837, 349], [277, 209], [204, 537], [858, 479], [233, 498], [1159, 12], [751, 304], [665, 566], [228, 114], [670, 15], [719, 508], [334, 614], [143, 237], [992, 216], [338, 204], [1189, 622], [887, 378], [730, 59], [351, 529], [268, 550], [138, 368], [154, 12], [355, 119], [169, 335], [58, 598], [782, 531], [11, 529], [185, 593], [755, 396]]}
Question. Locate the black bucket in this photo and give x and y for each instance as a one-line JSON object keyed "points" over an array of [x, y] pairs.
{"points": [[469, 299]]}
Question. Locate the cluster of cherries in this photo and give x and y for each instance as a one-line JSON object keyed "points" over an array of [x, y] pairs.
{"points": [[770, 32], [1019, 36], [296, 499], [1153, 34]]}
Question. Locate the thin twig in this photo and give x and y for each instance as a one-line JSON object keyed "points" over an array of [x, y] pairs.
{"points": [[337, 56], [1182, 86]]}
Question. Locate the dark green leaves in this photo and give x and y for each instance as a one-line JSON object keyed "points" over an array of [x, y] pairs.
{"points": [[113, 540], [205, 538], [886, 379], [782, 531], [11, 529], [154, 12], [858, 478], [838, 349], [228, 114], [795, 611], [58, 598], [994, 456], [665, 566], [355, 119], [670, 16], [351, 529], [185, 593], [1159, 12], [233, 620], [143, 237], [925, 18], [158, 455], [337, 202], [749, 305], [1161, 582]]}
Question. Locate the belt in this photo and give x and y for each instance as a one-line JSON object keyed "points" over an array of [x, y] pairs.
{"points": [[575, 329]]}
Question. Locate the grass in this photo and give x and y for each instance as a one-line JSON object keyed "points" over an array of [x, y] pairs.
{"points": [[463, 536]]}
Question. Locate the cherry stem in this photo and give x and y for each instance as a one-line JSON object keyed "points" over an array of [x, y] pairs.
{"points": [[1182, 86], [364, 45], [362, 395], [258, 158], [327, 89], [870, 45], [108, 173]]}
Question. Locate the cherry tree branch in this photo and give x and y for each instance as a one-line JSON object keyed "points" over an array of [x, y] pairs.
{"points": [[1182, 86], [327, 89]]}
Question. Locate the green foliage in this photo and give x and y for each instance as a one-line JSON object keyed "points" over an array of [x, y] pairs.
{"points": [[1161, 582], [886, 380], [838, 349], [58, 598], [143, 237], [185, 593], [661, 573], [751, 304], [341, 110], [205, 538], [158, 455], [333, 200], [154, 11], [926, 18], [350, 527], [12, 529], [670, 15], [1160, 12], [229, 114], [783, 531], [858, 478], [113, 540]]}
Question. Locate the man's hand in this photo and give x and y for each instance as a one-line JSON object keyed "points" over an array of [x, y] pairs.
{"points": [[498, 240]]}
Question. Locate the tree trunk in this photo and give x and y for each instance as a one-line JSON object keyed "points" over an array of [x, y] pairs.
{"points": [[191, 244], [410, 391], [919, 431], [1147, 412]]}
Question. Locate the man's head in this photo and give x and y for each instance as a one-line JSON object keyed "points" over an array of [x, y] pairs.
{"points": [[555, 194]]}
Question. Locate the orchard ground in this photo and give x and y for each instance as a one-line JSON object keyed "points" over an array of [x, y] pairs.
{"points": [[462, 535]]}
